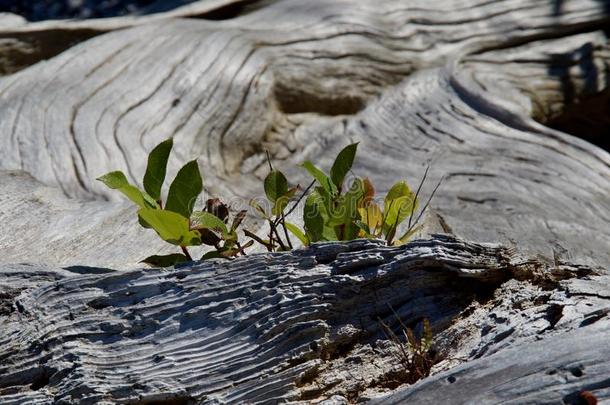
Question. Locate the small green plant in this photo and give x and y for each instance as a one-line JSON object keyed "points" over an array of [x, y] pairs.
{"points": [[278, 195], [415, 356], [176, 222], [399, 204], [333, 211], [330, 211]]}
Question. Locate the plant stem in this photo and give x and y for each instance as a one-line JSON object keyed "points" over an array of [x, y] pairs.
{"points": [[241, 249], [421, 183], [425, 206], [277, 234], [186, 253], [256, 238], [271, 246], [269, 160], [286, 232], [300, 198]]}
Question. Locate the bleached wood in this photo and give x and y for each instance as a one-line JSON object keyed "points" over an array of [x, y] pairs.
{"points": [[459, 83], [269, 327], [413, 82]]}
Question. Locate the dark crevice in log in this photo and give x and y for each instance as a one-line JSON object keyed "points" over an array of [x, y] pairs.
{"points": [[177, 400], [602, 23], [292, 100], [558, 6], [233, 10], [36, 10], [587, 118], [6, 301], [41, 380], [19, 50], [23, 49]]}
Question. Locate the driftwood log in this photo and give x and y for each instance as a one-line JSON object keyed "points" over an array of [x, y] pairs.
{"points": [[517, 289], [304, 325]]}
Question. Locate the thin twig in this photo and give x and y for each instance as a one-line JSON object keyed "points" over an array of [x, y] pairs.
{"points": [[279, 239], [271, 247], [277, 234], [426, 206], [286, 232], [257, 238], [421, 183], [240, 249], [387, 331], [269, 160], [299, 200]]}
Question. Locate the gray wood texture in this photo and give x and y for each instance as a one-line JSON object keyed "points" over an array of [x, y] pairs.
{"points": [[516, 289], [298, 326], [412, 83]]}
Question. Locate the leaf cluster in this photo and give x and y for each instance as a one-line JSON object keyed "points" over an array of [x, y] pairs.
{"points": [[334, 209], [176, 221]]}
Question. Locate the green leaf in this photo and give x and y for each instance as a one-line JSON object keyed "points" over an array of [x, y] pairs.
{"points": [[427, 338], [259, 208], [296, 231], [185, 189], [329, 233], [118, 181], [282, 202], [372, 217], [156, 168], [114, 180], [170, 226], [346, 209], [165, 260], [276, 185], [352, 201], [319, 175], [400, 189], [399, 203], [343, 164], [202, 219], [398, 210], [213, 254], [312, 217], [143, 223], [364, 228], [325, 202], [408, 235]]}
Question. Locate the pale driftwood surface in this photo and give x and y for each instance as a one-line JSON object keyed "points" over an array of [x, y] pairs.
{"points": [[298, 326], [520, 297], [457, 83]]}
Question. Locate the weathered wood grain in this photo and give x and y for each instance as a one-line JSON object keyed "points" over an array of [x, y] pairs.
{"points": [[277, 327], [457, 83], [517, 289]]}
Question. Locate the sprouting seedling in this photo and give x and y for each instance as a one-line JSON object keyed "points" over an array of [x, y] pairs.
{"points": [[278, 194], [175, 221], [415, 356], [330, 212], [400, 203]]}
